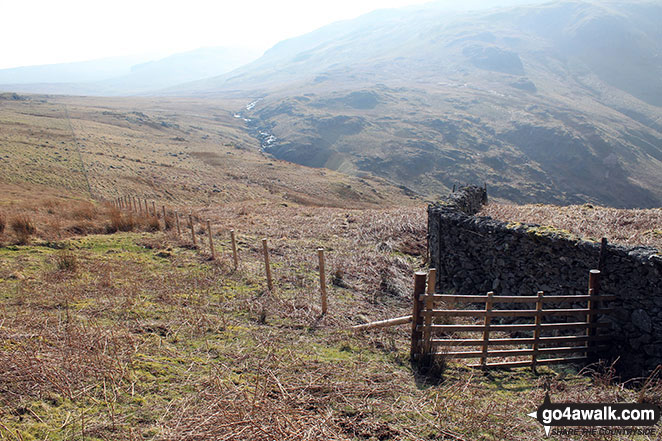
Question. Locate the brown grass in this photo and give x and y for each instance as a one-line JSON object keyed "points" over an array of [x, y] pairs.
{"points": [[66, 260], [120, 221], [23, 228], [169, 222], [626, 227], [85, 211], [151, 223], [161, 344]]}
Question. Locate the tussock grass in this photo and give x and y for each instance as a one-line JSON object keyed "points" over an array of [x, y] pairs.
{"points": [[84, 211], [23, 228], [66, 260], [152, 223], [120, 221]]}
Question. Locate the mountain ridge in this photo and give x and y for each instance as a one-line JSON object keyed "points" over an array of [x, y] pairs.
{"points": [[124, 76], [557, 113]]}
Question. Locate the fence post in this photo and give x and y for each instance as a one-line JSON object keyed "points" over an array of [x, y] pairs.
{"points": [[146, 207], [416, 317], [429, 304], [235, 257], [190, 221], [486, 331], [592, 318], [154, 209], [320, 257], [137, 204], [211, 241], [179, 231], [536, 332], [267, 266], [165, 222]]}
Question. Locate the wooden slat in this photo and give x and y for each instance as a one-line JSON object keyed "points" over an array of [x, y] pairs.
{"points": [[527, 363], [515, 352], [478, 298], [518, 327], [516, 299], [382, 323], [514, 312], [517, 341]]}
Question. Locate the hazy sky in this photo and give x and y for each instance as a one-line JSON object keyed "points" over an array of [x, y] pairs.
{"points": [[57, 31]]}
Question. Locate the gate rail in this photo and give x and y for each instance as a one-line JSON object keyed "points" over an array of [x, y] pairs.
{"points": [[425, 340]]}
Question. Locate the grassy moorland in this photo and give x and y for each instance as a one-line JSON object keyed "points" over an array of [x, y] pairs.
{"points": [[114, 328], [177, 151], [137, 335]]}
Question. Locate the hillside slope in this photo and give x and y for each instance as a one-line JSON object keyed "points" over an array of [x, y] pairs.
{"points": [[175, 151], [554, 103]]}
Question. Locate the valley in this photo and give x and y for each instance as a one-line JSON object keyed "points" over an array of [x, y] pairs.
{"points": [[428, 99]]}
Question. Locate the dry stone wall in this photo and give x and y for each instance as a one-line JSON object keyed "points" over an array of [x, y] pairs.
{"points": [[478, 254]]}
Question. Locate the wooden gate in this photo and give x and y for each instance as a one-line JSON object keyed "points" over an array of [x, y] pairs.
{"points": [[488, 331]]}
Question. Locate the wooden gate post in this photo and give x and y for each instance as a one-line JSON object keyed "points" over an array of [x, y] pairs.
{"points": [[235, 257], [211, 241], [267, 266], [536, 331], [156, 215], [592, 318], [417, 318], [486, 332], [320, 257], [165, 222], [429, 304]]}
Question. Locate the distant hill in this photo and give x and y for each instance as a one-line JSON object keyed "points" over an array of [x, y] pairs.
{"points": [[125, 75], [557, 102], [77, 72]]}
